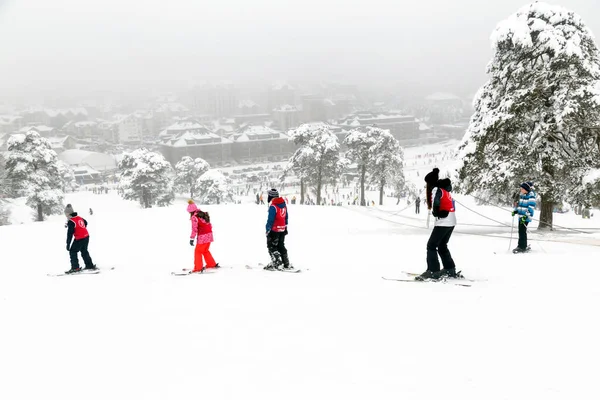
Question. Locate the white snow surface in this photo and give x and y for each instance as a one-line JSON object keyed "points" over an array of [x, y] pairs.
{"points": [[335, 331]]}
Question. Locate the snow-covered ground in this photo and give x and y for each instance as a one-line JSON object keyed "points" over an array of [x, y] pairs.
{"points": [[335, 331]]}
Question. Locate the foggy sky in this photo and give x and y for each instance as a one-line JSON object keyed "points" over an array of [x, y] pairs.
{"points": [[87, 44]]}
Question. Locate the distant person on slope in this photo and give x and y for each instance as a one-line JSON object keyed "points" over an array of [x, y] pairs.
{"points": [[418, 205], [202, 232], [77, 228], [440, 201], [276, 231], [525, 208]]}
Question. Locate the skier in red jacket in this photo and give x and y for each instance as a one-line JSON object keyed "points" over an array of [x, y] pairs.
{"points": [[276, 231], [77, 228], [202, 232]]}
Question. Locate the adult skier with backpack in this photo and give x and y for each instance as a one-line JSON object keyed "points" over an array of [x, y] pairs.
{"points": [[525, 208], [77, 230], [276, 230], [439, 200]]}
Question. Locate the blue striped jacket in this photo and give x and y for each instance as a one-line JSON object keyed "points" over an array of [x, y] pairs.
{"points": [[526, 205]]}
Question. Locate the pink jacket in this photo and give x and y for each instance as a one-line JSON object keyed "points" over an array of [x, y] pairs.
{"points": [[201, 230]]}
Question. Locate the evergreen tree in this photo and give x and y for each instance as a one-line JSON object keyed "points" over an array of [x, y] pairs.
{"points": [[32, 171], [386, 164], [187, 172], [214, 188], [67, 177], [146, 177], [537, 118], [317, 161]]}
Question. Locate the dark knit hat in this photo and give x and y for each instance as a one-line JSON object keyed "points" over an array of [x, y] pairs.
{"points": [[69, 210], [433, 176], [527, 186], [273, 194]]}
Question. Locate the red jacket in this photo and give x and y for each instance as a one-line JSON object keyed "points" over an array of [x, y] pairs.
{"points": [[80, 231], [200, 227]]}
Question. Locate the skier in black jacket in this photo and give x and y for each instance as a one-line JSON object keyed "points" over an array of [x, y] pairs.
{"points": [[77, 228]]}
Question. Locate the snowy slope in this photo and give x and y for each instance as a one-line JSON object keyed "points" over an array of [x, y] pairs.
{"points": [[335, 331]]}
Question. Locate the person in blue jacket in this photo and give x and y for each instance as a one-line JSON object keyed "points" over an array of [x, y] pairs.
{"points": [[276, 230], [525, 208]]}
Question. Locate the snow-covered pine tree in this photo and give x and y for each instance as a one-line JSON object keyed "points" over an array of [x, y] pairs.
{"points": [[214, 188], [361, 142], [32, 169], [187, 172], [317, 161], [537, 118], [386, 162], [146, 177], [67, 177]]}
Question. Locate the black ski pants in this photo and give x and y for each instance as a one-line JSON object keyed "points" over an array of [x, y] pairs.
{"points": [[522, 234], [80, 245], [276, 247], [438, 244]]}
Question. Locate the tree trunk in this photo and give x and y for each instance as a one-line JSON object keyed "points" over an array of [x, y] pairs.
{"points": [[381, 186], [302, 191], [363, 171], [40, 213], [546, 215]]}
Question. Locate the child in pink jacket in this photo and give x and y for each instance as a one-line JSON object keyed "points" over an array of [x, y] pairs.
{"points": [[202, 232]]}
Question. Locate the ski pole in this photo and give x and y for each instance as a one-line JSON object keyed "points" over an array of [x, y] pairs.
{"points": [[512, 228]]}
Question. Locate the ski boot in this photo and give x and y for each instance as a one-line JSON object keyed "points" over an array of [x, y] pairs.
{"points": [[73, 271], [448, 273], [518, 250], [286, 263], [427, 276], [91, 268]]}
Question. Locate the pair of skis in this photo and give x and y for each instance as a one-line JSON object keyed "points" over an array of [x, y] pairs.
{"points": [[453, 281], [82, 272], [185, 272], [262, 266]]}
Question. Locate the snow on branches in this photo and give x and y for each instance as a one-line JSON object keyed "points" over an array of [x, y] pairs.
{"points": [[317, 161], [187, 173], [32, 170], [146, 177], [214, 188], [538, 117]]}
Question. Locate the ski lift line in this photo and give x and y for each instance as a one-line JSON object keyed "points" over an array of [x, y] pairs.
{"points": [[533, 219], [463, 224], [481, 215], [473, 234]]}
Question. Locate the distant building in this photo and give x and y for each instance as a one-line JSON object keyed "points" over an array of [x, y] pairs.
{"points": [[286, 117], [215, 100], [10, 123], [261, 143], [199, 142], [405, 128], [280, 94], [62, 143], [104, 163], [43, 130], [247, 107]]}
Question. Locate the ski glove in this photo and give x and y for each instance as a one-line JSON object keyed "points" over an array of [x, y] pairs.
{"points": [[68, 247], [524, 219], [513, 213], [191, 242]]}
